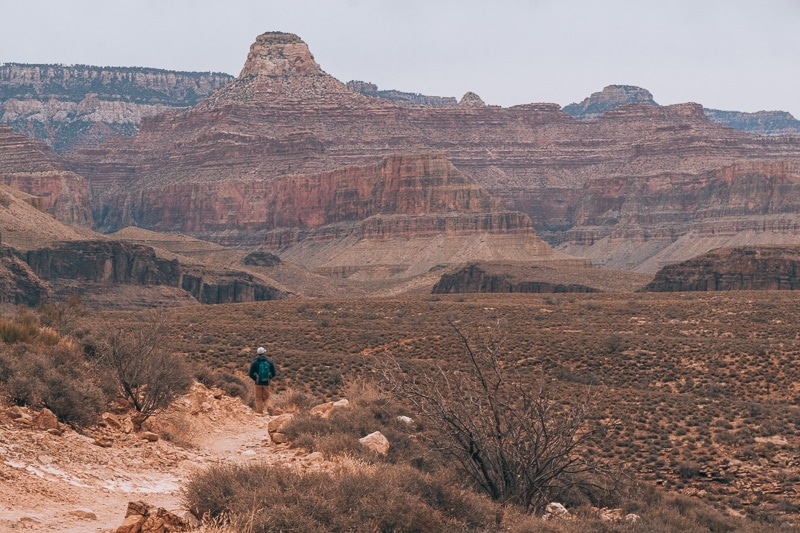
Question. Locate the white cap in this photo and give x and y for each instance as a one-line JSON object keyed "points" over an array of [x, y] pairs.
{"points": [[260, 350]]}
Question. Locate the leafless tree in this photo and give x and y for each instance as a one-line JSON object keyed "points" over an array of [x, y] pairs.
{"points": [[507, 431], [146, 372]]}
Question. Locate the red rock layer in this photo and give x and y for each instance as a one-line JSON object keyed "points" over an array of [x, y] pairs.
{"points": [[637, 168], [32, 167]]}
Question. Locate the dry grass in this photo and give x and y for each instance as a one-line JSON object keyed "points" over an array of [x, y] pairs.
{"points": [[703, 387]]}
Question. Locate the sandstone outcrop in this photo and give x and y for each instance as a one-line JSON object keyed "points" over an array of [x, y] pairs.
{"points": [[114, 262], [609, 98], [72, 107], [759, 123], [19, 285], [729, 269], [475, 278], [370, 89], [620, 188], [31, 167]]}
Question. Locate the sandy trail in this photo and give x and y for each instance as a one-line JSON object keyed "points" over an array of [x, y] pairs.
{"points": [[70, 483]]}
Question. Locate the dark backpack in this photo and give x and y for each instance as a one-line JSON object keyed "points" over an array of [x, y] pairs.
{"points": [[265, 372]]}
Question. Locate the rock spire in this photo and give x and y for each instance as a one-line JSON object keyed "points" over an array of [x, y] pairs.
{"points": [[279, 54]]}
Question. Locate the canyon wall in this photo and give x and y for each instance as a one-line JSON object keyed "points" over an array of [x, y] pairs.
{"points": [[620, 188], [745, 268], [114, 262], [70, 107]]}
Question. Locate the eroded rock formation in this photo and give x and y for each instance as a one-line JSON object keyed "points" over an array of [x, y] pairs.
{"points": [[31, 167], [731, 269], [620, 188], [71, 107], [609, 98], [477, 278], [19, 285], [114, 262]]}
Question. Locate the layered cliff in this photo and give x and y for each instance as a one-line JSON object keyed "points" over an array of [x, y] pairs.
{"points": [[370, 89], [759, 123], [727, 269], [70, 107], [609, 98], [622, 187], [121, 263], [31, 167], [19, 285], [477, 278], [385, 213]]}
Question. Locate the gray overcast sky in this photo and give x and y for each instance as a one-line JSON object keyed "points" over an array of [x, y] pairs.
{"points": [[725, 54]]}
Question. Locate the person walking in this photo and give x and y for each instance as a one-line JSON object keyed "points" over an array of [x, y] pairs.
{"points": [[262, 370]]}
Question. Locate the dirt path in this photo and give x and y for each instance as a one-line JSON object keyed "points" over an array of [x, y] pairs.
{"points": [[71, 483]]}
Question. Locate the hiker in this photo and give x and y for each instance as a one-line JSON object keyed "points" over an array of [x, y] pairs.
{"points": [[261, 371]]}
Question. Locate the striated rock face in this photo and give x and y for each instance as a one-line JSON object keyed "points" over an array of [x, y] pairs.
{"points": [[19, 285], [72, 107], [31, 167], [346, 217], [728, 269], [609, 98], [621, 188], [114, 262], [759, 123], [474, 278], [370, 89]]}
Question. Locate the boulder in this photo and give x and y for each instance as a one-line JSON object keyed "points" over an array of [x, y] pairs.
{"points": [[149, 436], [376, 442], [46, 419], [85, 515], [144, 518], [277, 423], [405, 419], [279, 438], [556, 511]]}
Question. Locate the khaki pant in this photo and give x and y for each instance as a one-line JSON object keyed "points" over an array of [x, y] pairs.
{"points": [[262, 396]]}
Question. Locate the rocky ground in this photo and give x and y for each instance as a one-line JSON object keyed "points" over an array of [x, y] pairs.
{"points": [[83, 482]]}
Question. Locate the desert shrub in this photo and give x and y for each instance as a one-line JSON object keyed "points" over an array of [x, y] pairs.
{"points": [[513, 437], [57, 378], [264, 498], [14, 331], [228, 383], [338, 435], [293, 401], [147, 374]]}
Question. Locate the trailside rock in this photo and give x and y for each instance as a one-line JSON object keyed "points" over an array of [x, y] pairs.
{"points": [[144, 518], [376, 442], [45, 419]]}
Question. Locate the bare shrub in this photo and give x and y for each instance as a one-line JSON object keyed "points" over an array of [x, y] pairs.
{"points": [[147, 374], [516, 440]]}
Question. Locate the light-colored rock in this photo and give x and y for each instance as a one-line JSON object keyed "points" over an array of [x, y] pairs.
{"points": [[315, 457], [277, 423], [405, 419], [325, 410], [556, 511], [376, 442], [632, 517], [279, 438]]}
